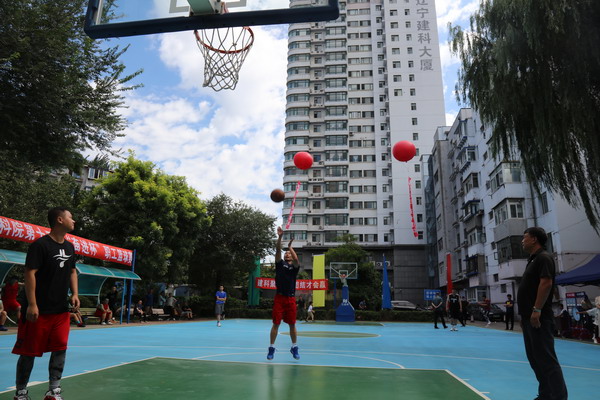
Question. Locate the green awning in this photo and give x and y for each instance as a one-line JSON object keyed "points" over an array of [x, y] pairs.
{"points": [[94, 270]]}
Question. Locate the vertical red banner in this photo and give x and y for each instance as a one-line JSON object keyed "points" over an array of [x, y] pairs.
{"points": [[449, 272]]}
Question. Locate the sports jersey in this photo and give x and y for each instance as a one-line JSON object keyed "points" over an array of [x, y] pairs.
{"points": [[285, 278], [53, 263]]}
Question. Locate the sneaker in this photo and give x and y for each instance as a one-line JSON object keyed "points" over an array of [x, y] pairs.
{"points": [[102, 323], [53, 394], [3, 328], [109, 322], [81, 325], [294, 351], [271, 353], [489, 322], [22, 395], [218, 324]]}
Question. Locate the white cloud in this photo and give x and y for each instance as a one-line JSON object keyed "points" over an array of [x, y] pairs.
{"points": [[232, 141]]}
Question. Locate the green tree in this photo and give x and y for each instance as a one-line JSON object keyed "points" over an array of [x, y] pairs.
{"points": [[368, 284], [60, 89], [28, 196], [531, 68], [140, 207], [228, 247]]}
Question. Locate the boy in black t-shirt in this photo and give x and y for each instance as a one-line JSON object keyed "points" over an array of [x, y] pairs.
{"points": [[284, 306], [44, 324]]}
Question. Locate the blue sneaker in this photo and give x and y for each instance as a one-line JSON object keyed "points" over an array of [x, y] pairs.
{"points": [[294, 351], [271, 353]]}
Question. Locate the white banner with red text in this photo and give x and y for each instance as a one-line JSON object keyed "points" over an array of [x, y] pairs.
{"points": [[301, 284]]}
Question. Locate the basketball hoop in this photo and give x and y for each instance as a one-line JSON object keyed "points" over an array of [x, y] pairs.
{"points": [[224, 51]]}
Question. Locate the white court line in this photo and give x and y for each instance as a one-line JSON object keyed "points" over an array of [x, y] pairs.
{"points": [[467, 385], [308, 352]]}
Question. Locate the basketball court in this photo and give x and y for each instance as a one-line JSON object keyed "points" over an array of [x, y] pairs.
{"points": [[350, 361]]}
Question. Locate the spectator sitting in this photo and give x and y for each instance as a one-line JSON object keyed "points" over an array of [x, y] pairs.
{"points": [[103, 312], [138, 311], [186, 312], [77, 318], [3, 317]]}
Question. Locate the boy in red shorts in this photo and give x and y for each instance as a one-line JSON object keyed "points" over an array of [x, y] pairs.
{"points": [[284, 307], [44, 325]]}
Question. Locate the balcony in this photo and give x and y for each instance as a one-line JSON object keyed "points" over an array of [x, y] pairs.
{"points": [[512, 269]]}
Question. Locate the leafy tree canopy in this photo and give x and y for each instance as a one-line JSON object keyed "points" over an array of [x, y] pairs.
{"points": [[236, 238], [140, 207], [531, 68], [60, 89]]}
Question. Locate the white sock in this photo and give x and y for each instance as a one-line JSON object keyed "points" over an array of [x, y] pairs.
{"points": [[294, 345], [272, 345]]}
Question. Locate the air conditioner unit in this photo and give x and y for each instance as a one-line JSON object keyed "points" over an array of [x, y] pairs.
{"points": [[321, 162], [351, 133], [321, 227], [309, 211], [309, 243]]}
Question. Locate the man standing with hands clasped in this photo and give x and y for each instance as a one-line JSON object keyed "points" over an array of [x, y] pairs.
{"points": [[44, 324], [537, 320], [284, 306]]}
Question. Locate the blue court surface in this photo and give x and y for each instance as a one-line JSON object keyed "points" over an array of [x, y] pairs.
{"points": [[491, 363]]}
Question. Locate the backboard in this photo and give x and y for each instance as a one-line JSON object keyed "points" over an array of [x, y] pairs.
{"points": [[347, 269], [118, 18]]}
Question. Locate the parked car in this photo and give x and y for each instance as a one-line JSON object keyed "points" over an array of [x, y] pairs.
{"points": [[403, 305], [476, 310]]}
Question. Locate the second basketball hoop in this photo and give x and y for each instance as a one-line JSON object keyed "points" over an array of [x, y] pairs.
{"points": [[224, 51]]}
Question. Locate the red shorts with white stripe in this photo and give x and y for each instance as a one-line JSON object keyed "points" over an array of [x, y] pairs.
{"points": [[49, 333], [284, 308]]}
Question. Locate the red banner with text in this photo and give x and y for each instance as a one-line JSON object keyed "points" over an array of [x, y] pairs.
{"points": [[301, 284], [24, 232]]}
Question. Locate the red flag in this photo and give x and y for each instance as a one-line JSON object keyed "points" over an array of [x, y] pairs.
{"points": [[449, 272]]}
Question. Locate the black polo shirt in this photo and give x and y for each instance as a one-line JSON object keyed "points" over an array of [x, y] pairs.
{"points": [[539, 265]]}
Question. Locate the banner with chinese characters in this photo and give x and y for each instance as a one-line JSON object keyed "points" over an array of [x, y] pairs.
{"points": [[301, 284], [24, 232]]}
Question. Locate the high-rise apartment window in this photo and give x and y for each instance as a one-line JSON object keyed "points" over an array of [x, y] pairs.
{"points": [[411, 78], [396, 64], [394, 25], [544, 203], [415, 136], [407, 24], [415, 121], [418, 200], [417, 184], [386, 204], [413, 92], [411, 64], [395, 38], [409, 50], [397, 78], [417, 167], [385, 172], [408, 37], [413, 106], [397, 92]]}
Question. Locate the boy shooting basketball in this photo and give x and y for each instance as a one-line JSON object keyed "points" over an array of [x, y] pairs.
{"points": [[284, 307]]}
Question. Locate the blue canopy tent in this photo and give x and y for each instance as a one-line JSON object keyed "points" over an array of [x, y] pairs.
{"points": [[588, 274], [91, 277]]}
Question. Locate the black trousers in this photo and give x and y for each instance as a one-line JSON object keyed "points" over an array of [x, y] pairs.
{"points": [[539, 347], [510, 317], [440, 315]]}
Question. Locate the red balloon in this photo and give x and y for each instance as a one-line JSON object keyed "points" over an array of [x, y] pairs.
{"points": [[404, 150], [303, 160]]}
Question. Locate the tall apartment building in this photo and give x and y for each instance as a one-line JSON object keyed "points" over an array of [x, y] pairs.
{"points": [[482, 205], [355, 87]]}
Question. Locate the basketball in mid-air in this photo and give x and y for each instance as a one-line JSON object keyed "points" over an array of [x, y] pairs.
{"points": [[277, 195]]}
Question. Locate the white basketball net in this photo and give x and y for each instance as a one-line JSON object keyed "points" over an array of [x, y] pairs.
{"points": [[224, 51]]}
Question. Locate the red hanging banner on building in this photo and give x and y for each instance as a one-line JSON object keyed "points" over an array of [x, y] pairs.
{"points": [[301, 284], [449, 272], [412, 210], [24, 232]]}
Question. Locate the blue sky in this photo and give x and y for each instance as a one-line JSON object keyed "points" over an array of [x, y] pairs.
{"points": [[229, 141]]}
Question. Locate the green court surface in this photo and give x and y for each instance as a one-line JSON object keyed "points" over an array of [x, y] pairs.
{"points": [[160, 378]]}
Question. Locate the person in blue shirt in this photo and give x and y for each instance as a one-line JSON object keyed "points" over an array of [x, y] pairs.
{"points": [[220, 304]]}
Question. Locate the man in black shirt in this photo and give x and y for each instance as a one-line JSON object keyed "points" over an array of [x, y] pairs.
{"points": [[44, 324], [284, 306], [510, 312], [537, 321]]}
